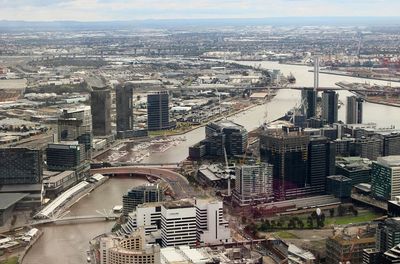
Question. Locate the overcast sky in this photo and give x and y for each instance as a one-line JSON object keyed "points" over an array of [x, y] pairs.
{"points": [[103, 10]]}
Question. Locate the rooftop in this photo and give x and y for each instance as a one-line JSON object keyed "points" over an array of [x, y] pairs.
{"points": [[178, 204], [389, 161], [9, 199]]}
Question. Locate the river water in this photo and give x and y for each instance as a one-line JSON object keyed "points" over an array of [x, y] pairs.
{"points": [[68, 243]]}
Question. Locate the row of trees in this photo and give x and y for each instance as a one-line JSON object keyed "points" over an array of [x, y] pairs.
{"points": [[312, 221]]}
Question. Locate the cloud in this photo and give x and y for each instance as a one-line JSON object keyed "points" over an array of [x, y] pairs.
{"points": [[89, 10]]}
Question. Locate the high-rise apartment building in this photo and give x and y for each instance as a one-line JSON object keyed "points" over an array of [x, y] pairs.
{"points": [[100, 102], [20, 166], [385, 177], [158, 111], [330, 106], [141, 194], [211, 225], [124, 106], [253, 183], [354, 111]]}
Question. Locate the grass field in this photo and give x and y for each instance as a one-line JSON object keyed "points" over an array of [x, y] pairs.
{"points": [[350, 219], [286, 235], [12, 260]]}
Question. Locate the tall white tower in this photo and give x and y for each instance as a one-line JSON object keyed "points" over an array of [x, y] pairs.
{"points": [[316, 73]]}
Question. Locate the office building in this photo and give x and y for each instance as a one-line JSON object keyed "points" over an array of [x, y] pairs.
{"points": [[212, 228], [169, 223], [344, 146], [178, 224], [354, 112], [321, 161], [388, 234], [338, 185], [356, 168], [65, 155], [158, 111], [124, 107], [76, 124], [342, 248], [253, 184], [330, 106], [141, 194], [100, 102], [309, 102], [385, 177], [21, 166], [370, 148], [132, 249], [391, 144]]}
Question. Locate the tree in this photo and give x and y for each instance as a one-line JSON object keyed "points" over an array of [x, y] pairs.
{"points": [[301, 224], [310, 221], [355, 212], [341, 210], [332, 212]]}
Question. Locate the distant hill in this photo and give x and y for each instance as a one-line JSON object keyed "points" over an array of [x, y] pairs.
{"points": [[6, 25]]}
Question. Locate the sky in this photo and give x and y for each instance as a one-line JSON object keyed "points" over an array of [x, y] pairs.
{"points": [[108, 10]]}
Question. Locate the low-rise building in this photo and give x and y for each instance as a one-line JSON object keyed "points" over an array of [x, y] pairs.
{"points": [[128, 250]]}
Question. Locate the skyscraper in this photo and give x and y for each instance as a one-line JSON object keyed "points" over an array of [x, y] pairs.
{"points": [[124, 97], [287, 151], [330, 106], [21, 166], [321, 162], [100, 101], [354, 111], [309, 100], [158, 111]]}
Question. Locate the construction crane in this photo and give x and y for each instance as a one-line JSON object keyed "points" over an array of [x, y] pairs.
{"points": [[347, 259]]}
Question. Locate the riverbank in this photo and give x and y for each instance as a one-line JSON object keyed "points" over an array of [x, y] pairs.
{"points": [[355, 76], [28, 247], [367, 99]]}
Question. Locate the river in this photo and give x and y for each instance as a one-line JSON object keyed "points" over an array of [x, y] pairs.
{"points": [[67, 244]]}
